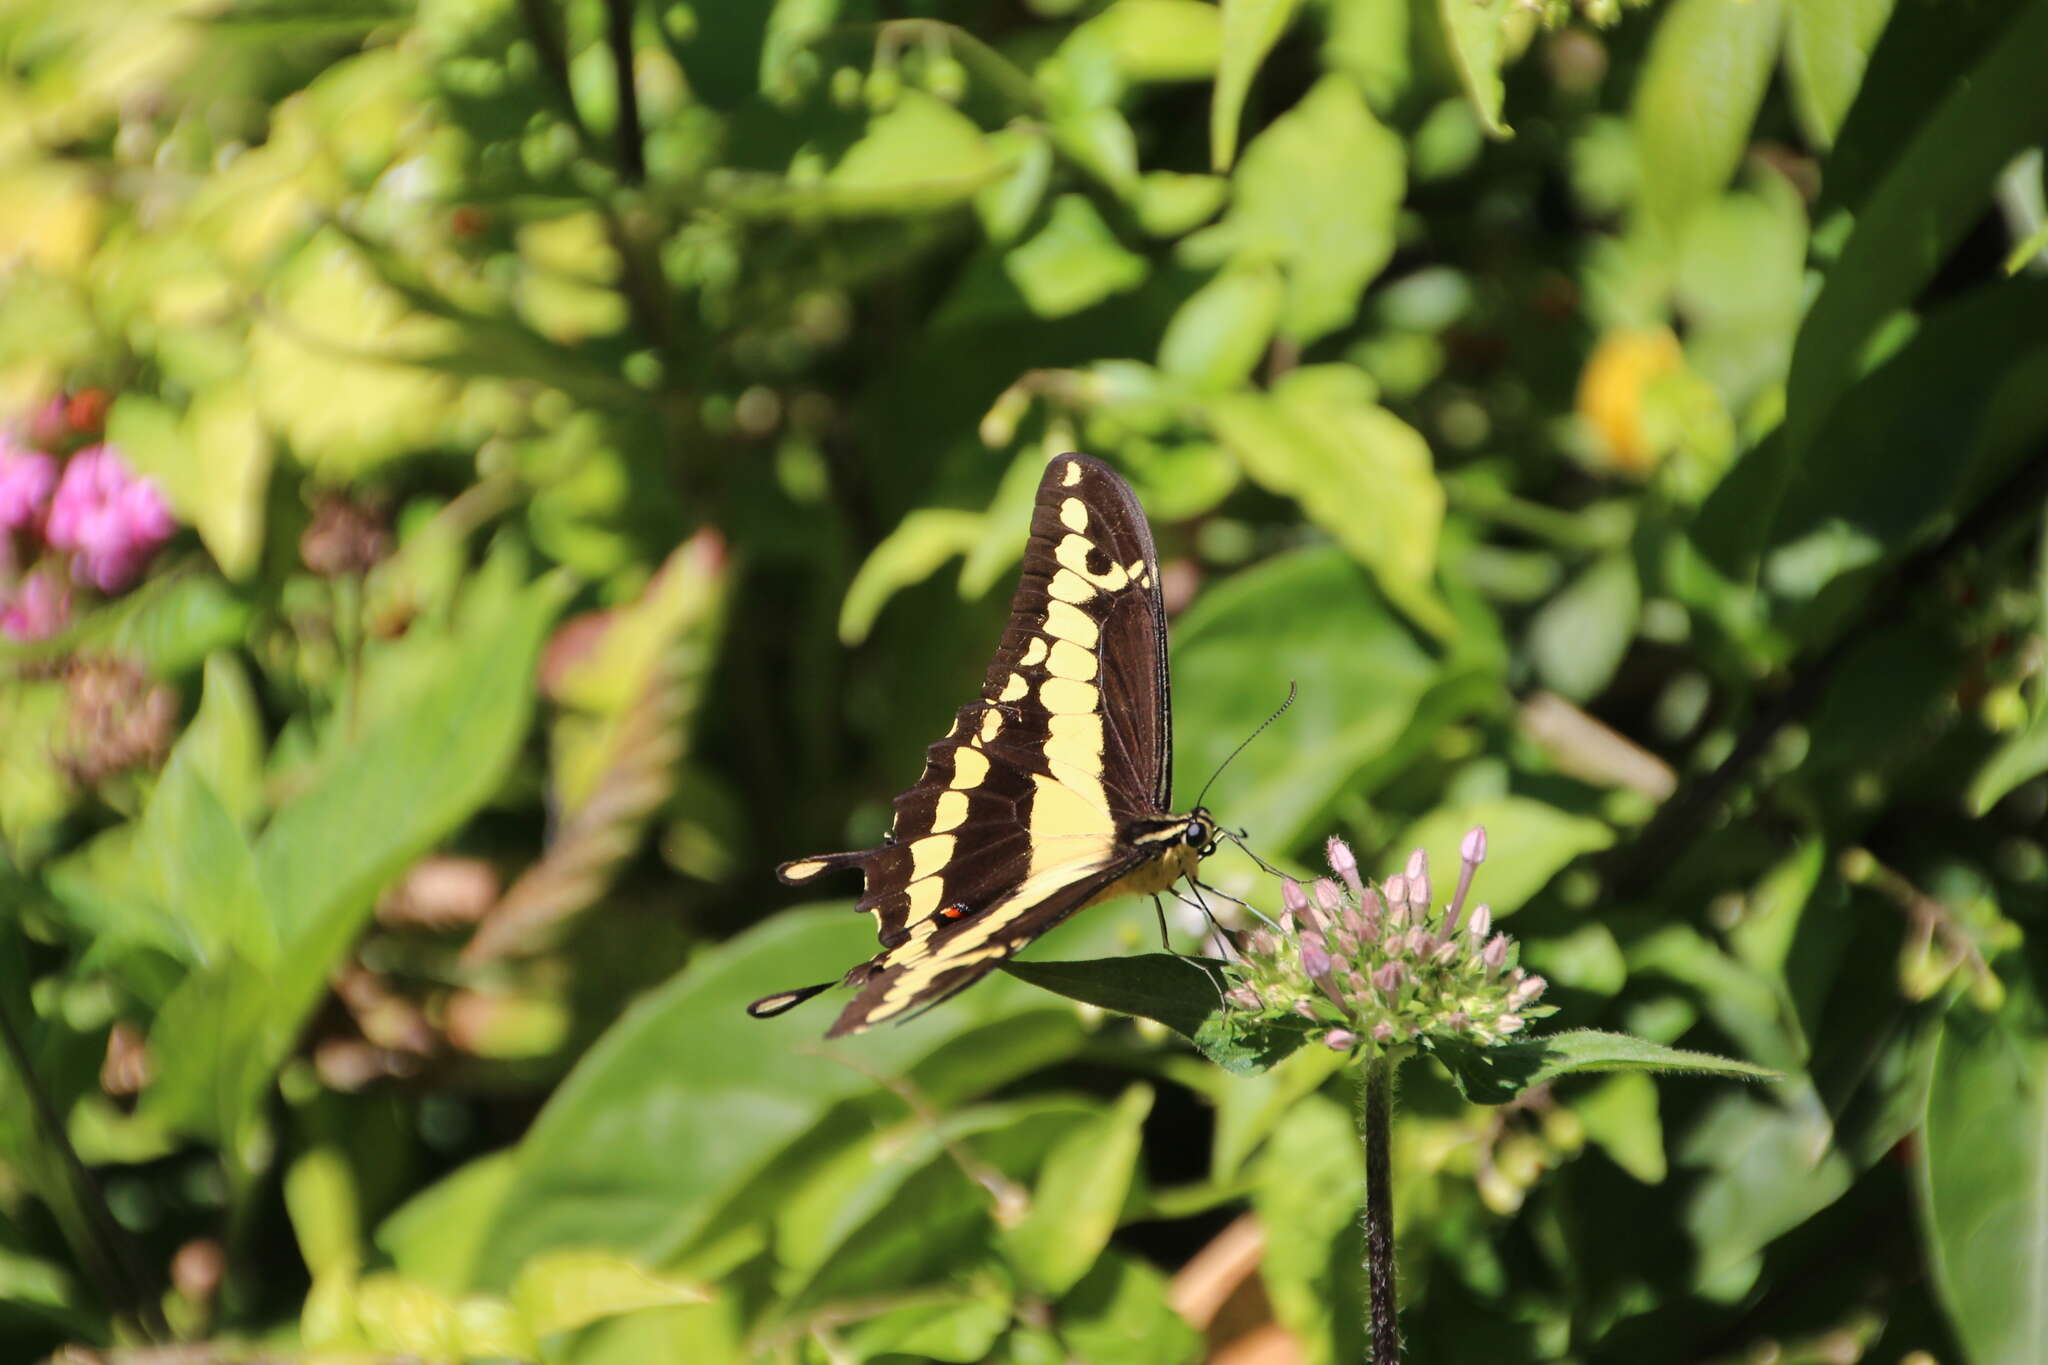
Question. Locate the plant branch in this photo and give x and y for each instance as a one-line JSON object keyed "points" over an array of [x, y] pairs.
{"points": [[619, 34], [1375, 1119], [1679, 821]]}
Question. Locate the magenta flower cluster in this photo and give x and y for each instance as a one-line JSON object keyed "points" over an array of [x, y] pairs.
{"points": [[85, 519]]}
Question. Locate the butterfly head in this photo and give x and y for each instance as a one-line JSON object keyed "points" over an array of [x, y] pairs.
{"points": [[1201, 832]]}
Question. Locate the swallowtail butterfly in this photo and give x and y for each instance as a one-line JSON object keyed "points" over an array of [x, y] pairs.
{"points": [[1051, 790]]}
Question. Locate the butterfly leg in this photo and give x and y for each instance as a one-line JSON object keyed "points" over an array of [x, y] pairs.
{"points": [[1207, 971]]}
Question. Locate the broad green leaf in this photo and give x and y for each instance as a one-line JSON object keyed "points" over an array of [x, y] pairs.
{"points": [[938, 1222], [1495, 1075], [1983, 1177], [1359, 472], [685, 1069], [1073, 262], [1969, 383], [1620, 1117], [1760, 1166], [1121, 1312], [414, 777], [201, 868], [436, 1236], [1176, 991], [35, 792], [960, 1327], [1250, 28], [1709, 64], [1578, 638], [225, 739], [1527, 843], [1311, 617], [911, 553], [1155, 40], [560, 1291], [399, 1316], [1475, 34], [1079, 1197], [1827, 46], [921, 155], [1102, 142], [1317, 193], [1368, 40], [1938, 185], [1309, 1185], [1223, 329]]}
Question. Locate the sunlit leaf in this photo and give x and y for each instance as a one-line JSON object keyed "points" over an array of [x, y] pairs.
{"points": [[1250, 28]]}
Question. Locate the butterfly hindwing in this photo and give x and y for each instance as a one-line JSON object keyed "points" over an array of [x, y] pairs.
{"points": [[1032, 805]]}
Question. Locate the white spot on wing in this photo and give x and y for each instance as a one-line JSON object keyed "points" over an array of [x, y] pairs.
{"points": [[1074, 514]]}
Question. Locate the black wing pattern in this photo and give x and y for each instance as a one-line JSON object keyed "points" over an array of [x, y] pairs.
{"points": [[1034, 803]]}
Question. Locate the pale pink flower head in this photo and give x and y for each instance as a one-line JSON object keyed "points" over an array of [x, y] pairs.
{"points": [[111, 519], [37, 608], [26, 478]]}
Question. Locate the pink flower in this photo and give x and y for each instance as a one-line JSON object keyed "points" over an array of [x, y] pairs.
{"points": [[26, 478], [112, 519], [37, 609]]}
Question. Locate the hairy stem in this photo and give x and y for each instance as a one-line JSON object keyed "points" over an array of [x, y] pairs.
{"points": [[1375, 1119]]}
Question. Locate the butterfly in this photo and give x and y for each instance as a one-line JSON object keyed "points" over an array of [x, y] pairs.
{"points": [[1050, 793]]}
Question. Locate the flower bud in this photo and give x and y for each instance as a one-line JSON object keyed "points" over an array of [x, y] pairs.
{"points": [[1340, 1040], [1345, 865], [1495, 953], [1390, 978], [1245, 998], [1526, 991], [1446, 953], [1508, 1023], [1473, 849], [1396, 888], [1482, 921]]}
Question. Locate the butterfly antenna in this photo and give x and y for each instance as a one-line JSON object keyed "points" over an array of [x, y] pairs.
{"points": [[1247, 740]]}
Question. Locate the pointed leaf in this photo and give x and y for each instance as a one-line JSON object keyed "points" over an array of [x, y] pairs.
{"points": [[1495, 1075]]}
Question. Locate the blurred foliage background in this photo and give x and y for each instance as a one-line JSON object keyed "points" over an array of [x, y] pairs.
{"points": [[487, 479]]}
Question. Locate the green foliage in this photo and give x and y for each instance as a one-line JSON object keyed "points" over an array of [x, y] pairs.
{"points": [[1623, 424]]}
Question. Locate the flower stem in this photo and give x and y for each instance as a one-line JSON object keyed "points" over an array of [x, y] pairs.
{"points": [[1375, 1118]]}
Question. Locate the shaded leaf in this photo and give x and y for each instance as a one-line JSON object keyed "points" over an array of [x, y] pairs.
{"points": [[1250, 28], [1475, 35], [1495, 1075]]}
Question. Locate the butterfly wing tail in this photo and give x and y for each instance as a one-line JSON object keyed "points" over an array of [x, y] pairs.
{"points": [[768, 1006], [803, 871]]}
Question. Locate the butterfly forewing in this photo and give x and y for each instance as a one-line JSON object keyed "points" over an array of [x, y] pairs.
{"points": [[1025, 811]]}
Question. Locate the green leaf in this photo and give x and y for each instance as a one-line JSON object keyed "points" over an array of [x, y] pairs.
{"points": [[200, 867], [911, 553], [962, 1327], [1250, 28], [437, 1235], [1170, 204], [321, 1198], [1937, 186], [1223, 329], [1317, 193], [1311, 616], [1983, 1178], [1475, 35], [414, 777], [1827, 45], [1122, 1312], [920, 156], [1155, 40], [685, 1070], [1309, 1184], [1527, 843], [1080, 1196], [1359, 472], [1073, 262], [1178, 992], [1709, 65], [1620, 1117], [1495, 1075], [224, 743], [1579, 637], [560, 1291]]}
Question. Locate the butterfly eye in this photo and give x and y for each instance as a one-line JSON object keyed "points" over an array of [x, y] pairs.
{"points": [[1197, 833]]}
